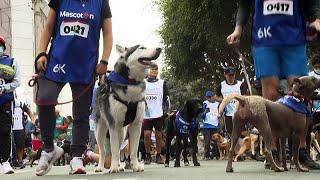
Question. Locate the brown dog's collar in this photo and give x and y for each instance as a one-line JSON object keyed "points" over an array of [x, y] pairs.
{"points": [[298, 96]]}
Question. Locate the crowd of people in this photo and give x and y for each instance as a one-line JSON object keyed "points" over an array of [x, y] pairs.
{"points": [[276, 56]]}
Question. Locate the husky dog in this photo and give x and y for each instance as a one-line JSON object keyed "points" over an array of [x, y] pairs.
{"points": [[120, 104]]}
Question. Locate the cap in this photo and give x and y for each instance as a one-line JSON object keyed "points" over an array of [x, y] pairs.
{"points": [[209, 94], [230, 70], [3, 42]]}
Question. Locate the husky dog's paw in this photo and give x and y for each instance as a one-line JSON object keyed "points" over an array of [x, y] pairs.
{"points": [[98, 169], [114, 169], [121, 168], [138, 168]]}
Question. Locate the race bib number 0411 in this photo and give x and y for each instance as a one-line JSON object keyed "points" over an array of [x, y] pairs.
{"points": [[74, 28], [284, 7]]}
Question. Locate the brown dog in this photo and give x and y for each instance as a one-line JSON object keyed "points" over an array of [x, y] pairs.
{"points": [[223, 145], [272, 119]]}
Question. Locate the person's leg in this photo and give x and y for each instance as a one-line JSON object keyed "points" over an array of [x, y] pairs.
{"points": [[267, 68], [92, 141], [147, 130], [47, 94], [228, 124], [5, 134], [80, 130], [158, 132], [206, 137]]}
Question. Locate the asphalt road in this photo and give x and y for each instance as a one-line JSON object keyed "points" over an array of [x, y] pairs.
{"points": [[245, 170]]}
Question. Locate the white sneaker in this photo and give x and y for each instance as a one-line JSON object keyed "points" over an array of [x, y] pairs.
{"points": [[76, 166], [47, 159], [6, 168]]}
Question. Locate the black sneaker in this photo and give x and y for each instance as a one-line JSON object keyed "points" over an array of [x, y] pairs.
{"points": [[308, 162], [148, 159]]}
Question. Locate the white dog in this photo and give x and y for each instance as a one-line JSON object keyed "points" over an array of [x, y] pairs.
{"points": [[120, 104]]}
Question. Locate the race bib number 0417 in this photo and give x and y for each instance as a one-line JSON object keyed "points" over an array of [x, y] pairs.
{"points": [[284, 7], [74, 28]]}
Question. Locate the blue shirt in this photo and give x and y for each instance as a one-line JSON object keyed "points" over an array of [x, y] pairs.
{"points": [[75, 45], [278, 23]]}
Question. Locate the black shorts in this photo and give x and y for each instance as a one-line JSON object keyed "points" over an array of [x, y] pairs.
{"points": [[156, 123], [19, 138]]}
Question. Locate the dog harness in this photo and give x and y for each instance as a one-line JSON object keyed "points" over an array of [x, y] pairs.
{"points": [[185, 128], [295, 104], [131, 113]]}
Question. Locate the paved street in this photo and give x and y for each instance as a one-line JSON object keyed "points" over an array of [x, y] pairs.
{"points": [[209, 170]]}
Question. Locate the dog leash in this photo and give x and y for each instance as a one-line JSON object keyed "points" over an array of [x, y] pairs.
{"points": [[34, 82], [242, 59]]}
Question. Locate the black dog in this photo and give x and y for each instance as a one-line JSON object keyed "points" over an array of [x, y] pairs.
{"points": [[184, 126]]}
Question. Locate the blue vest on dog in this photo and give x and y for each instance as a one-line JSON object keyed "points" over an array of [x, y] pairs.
{"points": [[277, 23], [6, 97], [185, 128], [294, 104], [75, 45]]}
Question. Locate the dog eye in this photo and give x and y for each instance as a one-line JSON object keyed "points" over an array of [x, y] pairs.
{"points": [[142, 48]]}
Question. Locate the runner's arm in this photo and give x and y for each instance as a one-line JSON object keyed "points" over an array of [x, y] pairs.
{"points": [[243, 12], [47, 31]]}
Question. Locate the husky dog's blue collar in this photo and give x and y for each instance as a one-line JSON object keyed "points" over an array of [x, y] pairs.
{"points": [[117, 78]]}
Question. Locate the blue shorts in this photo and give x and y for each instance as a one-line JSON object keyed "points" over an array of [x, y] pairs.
{"points": [[281, 62]]}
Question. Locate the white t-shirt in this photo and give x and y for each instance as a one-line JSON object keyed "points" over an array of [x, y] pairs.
{"points": [[227, 89], [154, 99], [17, 114], [212, 116]]}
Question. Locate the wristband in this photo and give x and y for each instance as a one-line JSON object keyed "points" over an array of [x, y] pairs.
{"points": [[104, 62], [40, 55]]}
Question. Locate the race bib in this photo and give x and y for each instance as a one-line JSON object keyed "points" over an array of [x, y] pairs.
{"points": [[74, 28], [151, 97], [284, 7]]}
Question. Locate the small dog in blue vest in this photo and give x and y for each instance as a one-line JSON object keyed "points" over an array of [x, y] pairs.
{"points": [[184, 126]]}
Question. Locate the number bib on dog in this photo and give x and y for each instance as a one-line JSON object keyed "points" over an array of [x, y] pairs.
{"points": [[277, 23], [75, 45]]}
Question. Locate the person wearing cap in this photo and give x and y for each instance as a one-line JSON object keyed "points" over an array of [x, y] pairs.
{"points": [[210, 123], [73, 28], [7, 86], [229, 86], [156, 97]]}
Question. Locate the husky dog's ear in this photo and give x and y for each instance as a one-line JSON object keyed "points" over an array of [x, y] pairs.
{"points": [[120, 49]]}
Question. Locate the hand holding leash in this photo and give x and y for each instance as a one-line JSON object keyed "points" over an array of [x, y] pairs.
{"points": [[42, 63], [234, 38], [102, 67]]}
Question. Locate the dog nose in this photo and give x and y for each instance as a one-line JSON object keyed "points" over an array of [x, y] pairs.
{"points": [[159, 49]]}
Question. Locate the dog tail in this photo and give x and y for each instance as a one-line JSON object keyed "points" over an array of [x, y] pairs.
{"points": [[227, 100]]}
